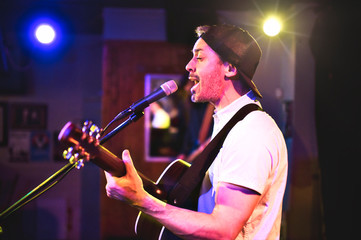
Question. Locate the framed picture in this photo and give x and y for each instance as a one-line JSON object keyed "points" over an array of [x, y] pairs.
{"points": [[40, 142], [28, 116], [3, 124], [19, 146], [161, 134]]}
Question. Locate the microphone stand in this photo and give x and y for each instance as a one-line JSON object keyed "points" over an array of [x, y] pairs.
{"points": [[132, 118], [40, 189], [60, 174]]}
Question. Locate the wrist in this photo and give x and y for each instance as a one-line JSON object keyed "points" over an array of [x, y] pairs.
{"points": [[150, 205]]}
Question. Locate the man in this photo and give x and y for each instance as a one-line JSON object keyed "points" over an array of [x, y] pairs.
{"points": [[242, 192]]}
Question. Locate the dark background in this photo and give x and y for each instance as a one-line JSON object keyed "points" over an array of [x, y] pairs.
{"points": [[335, 45]]}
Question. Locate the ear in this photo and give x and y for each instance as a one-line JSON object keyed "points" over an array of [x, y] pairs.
{"points": [[230, 70]]}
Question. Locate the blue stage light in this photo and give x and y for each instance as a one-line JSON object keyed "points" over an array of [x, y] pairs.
{"points": [[45, 33]]}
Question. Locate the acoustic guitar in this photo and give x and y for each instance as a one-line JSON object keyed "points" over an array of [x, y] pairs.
{"points": [[83, 147]]}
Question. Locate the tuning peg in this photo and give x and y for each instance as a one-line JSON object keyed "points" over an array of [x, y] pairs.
{"points": [[91, 130], [74, 158], [67, 154], [79, 164], [94, 130], [86, 126]]}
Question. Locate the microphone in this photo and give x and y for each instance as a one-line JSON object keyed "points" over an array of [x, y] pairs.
{"points": [[165, 89]]}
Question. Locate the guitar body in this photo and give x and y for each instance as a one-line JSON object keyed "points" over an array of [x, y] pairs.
{"points": [[145, 226]]}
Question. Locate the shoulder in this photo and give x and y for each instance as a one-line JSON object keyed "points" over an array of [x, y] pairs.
{"points": [[257, 137], [255, 125]]}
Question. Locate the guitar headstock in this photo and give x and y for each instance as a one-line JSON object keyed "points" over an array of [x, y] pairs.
{"points": [[83, 146], [79, 142]]}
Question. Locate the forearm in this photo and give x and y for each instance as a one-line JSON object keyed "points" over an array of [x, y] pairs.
{"points": [[225, 222], [183, 222]]}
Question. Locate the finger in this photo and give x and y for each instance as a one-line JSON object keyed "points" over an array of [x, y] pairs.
{"points": [[126, 156], [108, 177], [108, 190], [128, 162], [109, 185]]}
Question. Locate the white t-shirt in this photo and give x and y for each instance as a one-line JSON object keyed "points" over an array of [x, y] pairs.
{"points": [[254, 155]]}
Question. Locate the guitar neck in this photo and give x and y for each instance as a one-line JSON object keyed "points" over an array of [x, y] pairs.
{"points": [[72, 136], [115, 166]]}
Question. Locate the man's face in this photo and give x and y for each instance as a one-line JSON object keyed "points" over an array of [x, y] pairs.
{"points": [[207, 71]]}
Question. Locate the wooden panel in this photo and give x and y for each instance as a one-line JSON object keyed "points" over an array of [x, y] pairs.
{"points": [[124, 67]]}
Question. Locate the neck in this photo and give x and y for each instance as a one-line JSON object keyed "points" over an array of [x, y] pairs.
{"points": [[231, 92]]}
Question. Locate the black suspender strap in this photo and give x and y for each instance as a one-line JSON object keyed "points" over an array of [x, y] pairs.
{"points": [[191, 179]]}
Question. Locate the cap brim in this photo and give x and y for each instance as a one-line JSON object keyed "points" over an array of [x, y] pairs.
{"points": [[251, 84]]}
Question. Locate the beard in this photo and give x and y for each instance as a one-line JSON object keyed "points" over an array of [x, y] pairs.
{"points": [[206, 92]]}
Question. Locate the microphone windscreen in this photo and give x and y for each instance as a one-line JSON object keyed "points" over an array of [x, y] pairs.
{"points": [[169, 87]]}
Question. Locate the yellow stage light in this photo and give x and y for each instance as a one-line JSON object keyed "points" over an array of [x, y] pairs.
{"points": [[272, 26]]}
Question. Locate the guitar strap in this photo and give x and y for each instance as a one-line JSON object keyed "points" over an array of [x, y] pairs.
{"points": [[194, 175]]}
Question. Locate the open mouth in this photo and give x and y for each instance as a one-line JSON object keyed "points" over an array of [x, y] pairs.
{"points": [[193, 89], [194, 79]]}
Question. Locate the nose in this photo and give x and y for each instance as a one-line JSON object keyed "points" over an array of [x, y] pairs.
{"points": [[190, 66]]}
